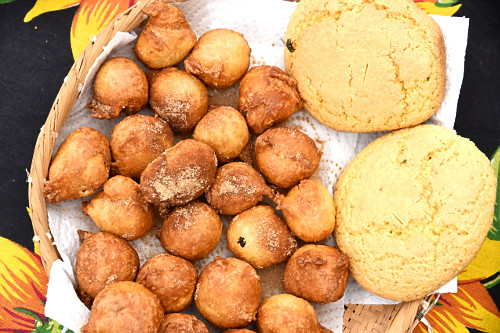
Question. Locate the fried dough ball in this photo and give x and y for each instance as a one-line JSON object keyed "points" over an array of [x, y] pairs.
{"points": [[182, 323], [120, 86], [171, 279], [309, 210], [238, 330], [191, 231], [179, 175], [260, 237], [178, 97], [317, 273], [237, 187], [285, 156], [284, 313], [225, 130], [103, 259], [166, 39], [228, 293], [220, 58], [136, 141], [125, 307], [80, 167], [269, 96], [120, 209]]}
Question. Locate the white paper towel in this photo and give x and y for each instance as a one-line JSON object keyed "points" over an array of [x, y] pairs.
{"points": [[263, 23]]}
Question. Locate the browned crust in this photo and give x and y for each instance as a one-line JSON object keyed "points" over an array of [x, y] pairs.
{"points": [[317, 273], [120, 87], [80, 166], [269, 96], [237, 187], [171, 279], [104, 259], [285, 156], [179, 175], [228, 293]]}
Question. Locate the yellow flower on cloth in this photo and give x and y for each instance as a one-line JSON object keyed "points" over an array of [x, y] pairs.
{"points": [[90, 18], [23, 286], [472, 305], [439, 7]]}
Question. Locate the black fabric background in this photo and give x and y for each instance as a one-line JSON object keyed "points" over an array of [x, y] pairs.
{"points": [[34, 62]]}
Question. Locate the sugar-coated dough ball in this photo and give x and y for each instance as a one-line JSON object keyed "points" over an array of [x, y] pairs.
{"points": [[309, 210], [103, 259], [238, 330], [228, 293], [181, 323], [179, 175], [191, 231], [80, 167], [177, 97], [284, 313], [125, 307], [225, 130], [171, 279], [120, 86], [167, 37], [136, 141], [237, 187], [269, 96], [412, 210], [317, 273], [285, 156], [220, 58], [260, 237], [121, 209]]}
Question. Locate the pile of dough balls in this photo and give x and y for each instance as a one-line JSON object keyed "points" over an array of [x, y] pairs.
{"points": [[188, 162]]}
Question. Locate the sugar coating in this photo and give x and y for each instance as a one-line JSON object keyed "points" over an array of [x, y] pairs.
{"points": [[413, 209], [364, 66]]}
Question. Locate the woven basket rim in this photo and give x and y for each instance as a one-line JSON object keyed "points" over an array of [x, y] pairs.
{"points": [[357, 318]]}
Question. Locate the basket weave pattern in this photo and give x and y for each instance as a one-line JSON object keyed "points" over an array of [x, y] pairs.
{"points": [[357, 318]]}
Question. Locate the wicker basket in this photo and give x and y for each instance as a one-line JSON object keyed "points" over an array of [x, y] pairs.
{"points": [[357, 318]]}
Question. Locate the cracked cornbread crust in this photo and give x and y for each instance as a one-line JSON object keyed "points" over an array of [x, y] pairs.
{"points": [[366, 65], [413, 209]]}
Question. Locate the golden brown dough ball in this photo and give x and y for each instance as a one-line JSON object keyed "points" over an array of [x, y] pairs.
{"points": [[237, 187], [120, 86], [103, 259], [260, 237], [269, 96], [178, 97], [309, 210], [171, 279], [80, 167], [125, 307], [182, 323], [238, 330], [191, 231], [225, 130], [179, 175], [220, 58], [121, 209], [167, 37], [284, 313], [317, 273], [285, 156], [136, 141], [228, 293]]}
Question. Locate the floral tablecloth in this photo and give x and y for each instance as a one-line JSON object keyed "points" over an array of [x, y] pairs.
{"points": [[23, 284]]}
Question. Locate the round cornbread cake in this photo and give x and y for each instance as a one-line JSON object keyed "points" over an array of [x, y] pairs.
{"points": [[364, 66], [413, 209]]}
